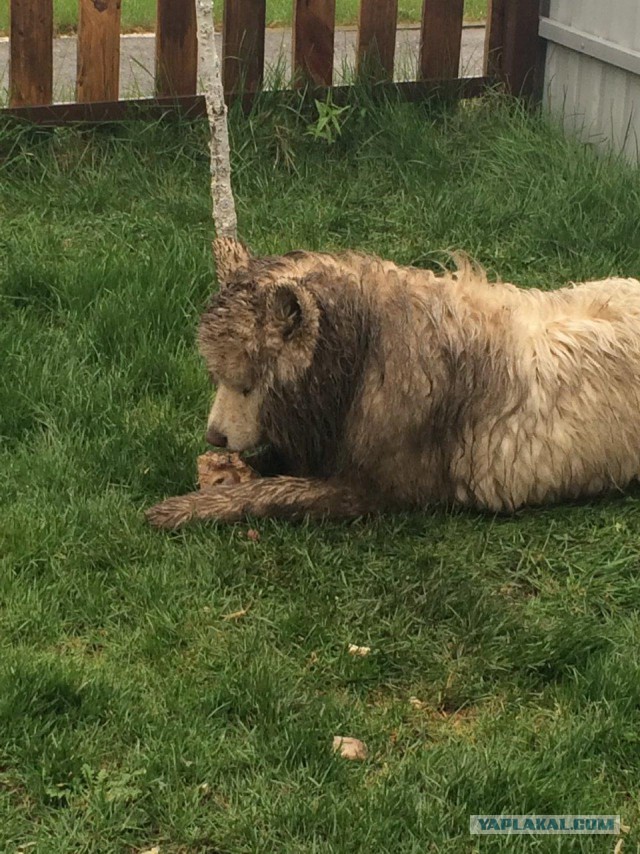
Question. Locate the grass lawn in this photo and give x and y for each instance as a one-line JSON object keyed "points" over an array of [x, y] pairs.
{"points": [[141, 14], [134, 711]]}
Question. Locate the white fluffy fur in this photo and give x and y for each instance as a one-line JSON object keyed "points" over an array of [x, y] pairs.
{"points": [[559, 416]]}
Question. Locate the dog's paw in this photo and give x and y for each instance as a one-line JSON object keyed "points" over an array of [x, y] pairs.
{"points": [[172, 513]]}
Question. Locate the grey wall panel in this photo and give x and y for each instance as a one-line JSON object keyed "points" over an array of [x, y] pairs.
{"points": [[596, 100]]}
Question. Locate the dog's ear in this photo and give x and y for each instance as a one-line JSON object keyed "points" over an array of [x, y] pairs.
{"points": [[291, 310], [229, 255]]}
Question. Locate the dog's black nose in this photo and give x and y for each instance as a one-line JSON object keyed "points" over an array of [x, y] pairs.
{"points": [[218, 440]]}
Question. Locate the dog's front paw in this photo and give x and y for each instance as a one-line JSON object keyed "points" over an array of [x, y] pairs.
{"points": [[172, 513]]}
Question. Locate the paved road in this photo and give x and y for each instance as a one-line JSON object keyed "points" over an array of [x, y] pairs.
{"points": [[137, 58]]}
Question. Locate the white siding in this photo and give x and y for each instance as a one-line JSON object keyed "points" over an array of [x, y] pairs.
{"points": [[595, 99]]}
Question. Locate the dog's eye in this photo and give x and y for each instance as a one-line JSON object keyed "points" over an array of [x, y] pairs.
{"points": [[246, 392]]}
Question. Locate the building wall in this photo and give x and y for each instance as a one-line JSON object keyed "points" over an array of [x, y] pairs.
{"points": [[592, 73]]}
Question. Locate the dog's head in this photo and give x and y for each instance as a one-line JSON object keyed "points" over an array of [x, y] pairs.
{"points": [[259, 332]]}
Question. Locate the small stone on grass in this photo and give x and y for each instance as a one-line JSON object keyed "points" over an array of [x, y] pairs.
{"points": [[350, 748], [358, 651]]}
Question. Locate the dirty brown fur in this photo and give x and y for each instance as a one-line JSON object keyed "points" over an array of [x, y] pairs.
{"points": [[307, 420], [375, 387], [287, 497]]}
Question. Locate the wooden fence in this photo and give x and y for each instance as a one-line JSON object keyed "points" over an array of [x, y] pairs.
{"points": [[511, 53]]}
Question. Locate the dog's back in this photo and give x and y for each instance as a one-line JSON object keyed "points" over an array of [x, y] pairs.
{"points": [[498, 396]]}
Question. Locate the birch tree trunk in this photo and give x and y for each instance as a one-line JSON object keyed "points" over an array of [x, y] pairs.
{"points": [[224, 209]]}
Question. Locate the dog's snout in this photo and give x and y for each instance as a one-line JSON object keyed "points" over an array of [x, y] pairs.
{"points": [[215, 438]]}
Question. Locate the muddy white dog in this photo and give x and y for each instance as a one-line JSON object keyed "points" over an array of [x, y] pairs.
{"points": [[373, 387]]}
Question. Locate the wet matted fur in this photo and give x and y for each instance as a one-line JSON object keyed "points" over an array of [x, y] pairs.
{"points": [[372, 386]]}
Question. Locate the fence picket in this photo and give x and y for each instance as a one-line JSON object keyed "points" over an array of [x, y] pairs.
{"points": [[98, 71], [512, 46], [176, 48], [440, 39], [313, 40], [243, 45], [31, 53], [377, 38]]}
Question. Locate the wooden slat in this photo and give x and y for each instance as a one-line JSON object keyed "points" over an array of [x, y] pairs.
{"points": [[313, 38], [31, 52], [194, 107], [243, 45], [494, 37], [176, 48], [377, 38], [512, 47], [98, 50], [440, 39]]}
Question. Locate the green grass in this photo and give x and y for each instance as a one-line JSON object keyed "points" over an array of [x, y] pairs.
{"points": [[141, 14], [132, 713]]}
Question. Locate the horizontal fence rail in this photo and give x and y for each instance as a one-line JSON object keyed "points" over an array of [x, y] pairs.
{"points": [[511, 51], [193, 106]]}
